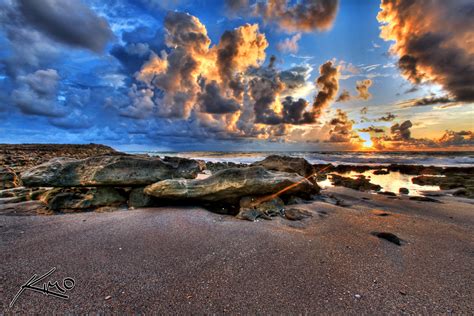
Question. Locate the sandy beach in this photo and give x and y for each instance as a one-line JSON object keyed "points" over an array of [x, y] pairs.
{"points": [[189, 260]]}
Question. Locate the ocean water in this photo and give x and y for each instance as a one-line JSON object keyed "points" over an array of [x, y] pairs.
{"points": [[442, 159]]}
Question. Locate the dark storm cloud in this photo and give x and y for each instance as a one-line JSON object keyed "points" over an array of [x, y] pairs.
{"points": [[432, 42], [328, 85], [68, 21], [386, 118], [305, 15], [372, 129], [401, 132], [37, 94], [213, 102]]}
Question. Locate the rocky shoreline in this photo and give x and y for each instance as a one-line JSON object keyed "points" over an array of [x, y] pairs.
{"points": [[54, 179]]}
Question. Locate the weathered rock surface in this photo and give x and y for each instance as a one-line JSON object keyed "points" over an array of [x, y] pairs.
{"points": [[74, 199], [8, 178], [450, 181], [296, 214], [109, 171], [218, 166], [286, 164], [25, 156], [138, 198], [231, 185], [361, 183]]}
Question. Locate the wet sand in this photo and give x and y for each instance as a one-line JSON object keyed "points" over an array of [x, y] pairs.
{"points": [[188, 260]]}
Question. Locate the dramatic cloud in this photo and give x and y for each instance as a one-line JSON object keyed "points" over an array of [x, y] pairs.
{"points": [[290, 44], [433, 40], [341, 129], [37, 94], [363, 93], [224, 87], [67, 21], [371, 129], [429, 100], [304, 16], [401, 131]]}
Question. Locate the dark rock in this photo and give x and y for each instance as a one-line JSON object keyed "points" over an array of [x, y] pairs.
{"points": [[287, 164], [403, 191], [230, 185], [361, 183], [24, 208], [108, 171], [82, 199], [389, 237], [423, 199], [251, 215], [380, 172], [218, 166], [138, 198], [295, 214], [388, 193]]}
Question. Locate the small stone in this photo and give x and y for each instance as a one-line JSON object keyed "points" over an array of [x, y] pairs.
{"points": [[108, 297], [403, 292], [357, 296]]}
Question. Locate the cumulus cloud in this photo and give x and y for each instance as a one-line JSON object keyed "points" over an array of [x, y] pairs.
{"points": [[401, 131], [363, 93], [67, 21], [341, 129], [290, 44], [303, 16], [225, 88], [433, 40], [37, 94]]}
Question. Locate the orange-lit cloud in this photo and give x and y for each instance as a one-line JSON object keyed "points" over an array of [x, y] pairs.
{"points": [[434, 41]]}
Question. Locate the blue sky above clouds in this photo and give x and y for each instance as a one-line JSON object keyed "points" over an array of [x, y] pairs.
{"points": [[102, 71]]}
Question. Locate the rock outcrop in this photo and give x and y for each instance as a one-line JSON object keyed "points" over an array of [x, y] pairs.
{"points": [[287, 164], [361, 183], [8, 178], [82, 199], [230, 185], [109, 171]]}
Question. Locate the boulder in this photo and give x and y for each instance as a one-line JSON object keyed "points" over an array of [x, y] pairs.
{"points": [[230, 185], [361, 183], [82, 199], [109, 171], [287, 164], [138, 198], [404, 191], [8, 178]]}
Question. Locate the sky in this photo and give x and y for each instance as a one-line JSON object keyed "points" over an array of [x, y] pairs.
{"points": [[238, 75]]}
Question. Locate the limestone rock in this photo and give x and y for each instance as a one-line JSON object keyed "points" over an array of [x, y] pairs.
{"points": [[230, 185], [109, 171]]}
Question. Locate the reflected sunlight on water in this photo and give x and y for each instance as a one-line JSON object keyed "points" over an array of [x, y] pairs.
{"points": [[389, 182]]}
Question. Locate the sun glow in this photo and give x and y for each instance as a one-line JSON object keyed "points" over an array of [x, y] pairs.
{"points": [[368, 143]]}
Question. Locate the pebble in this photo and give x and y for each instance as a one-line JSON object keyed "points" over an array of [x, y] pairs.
{"points": [[357, 296], [108, 297]]}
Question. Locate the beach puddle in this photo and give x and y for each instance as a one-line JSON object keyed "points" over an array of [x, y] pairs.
{"points": [[391, 182]]}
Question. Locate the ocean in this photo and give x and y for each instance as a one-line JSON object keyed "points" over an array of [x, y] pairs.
{"points": [[441, 159]]}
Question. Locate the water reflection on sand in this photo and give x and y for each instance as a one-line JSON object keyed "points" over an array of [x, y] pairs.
{"points": [[391, 182]]}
